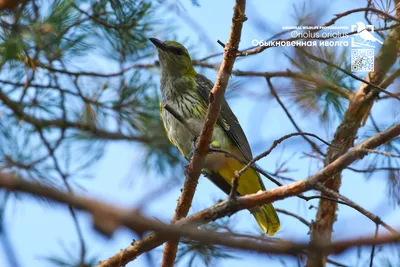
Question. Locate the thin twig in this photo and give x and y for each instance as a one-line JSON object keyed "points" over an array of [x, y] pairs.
{"points": [[221, 43], [363, 211], [384, 153], [307, 198], [301, 219], [277, 142], [371, 261], [369, 170], [275, 94], [336, 263]]}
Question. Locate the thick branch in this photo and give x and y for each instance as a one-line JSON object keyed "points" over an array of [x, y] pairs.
{"points": [[8, 4], [215, 98]]}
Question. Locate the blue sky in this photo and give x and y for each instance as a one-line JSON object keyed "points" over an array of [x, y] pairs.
{"points": [[36, 230]]}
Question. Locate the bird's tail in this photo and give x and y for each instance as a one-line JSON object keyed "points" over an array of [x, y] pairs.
{"points": [[379, 41], [267, 219], [250, 183]]}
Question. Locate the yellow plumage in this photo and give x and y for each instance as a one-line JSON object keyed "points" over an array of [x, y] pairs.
{"points": [[249, 183], [186, 92], [226, 167]]}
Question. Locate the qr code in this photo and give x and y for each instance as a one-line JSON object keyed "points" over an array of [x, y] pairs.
{"points": [[362, 60]]}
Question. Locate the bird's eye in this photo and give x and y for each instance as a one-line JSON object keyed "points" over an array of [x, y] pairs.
{"points": [[179, 52], [175, 50]]}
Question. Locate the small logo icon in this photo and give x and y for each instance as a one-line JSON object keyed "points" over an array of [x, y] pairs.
{"points": [[365, 34]]}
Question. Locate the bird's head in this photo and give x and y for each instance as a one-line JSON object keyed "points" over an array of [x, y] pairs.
{"points": [[174, 58]]}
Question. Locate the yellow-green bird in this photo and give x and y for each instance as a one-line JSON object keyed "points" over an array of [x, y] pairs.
{"points": [[186, 91]]}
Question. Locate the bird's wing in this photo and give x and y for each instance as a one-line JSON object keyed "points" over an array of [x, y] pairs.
{"points": [[227, 120]]}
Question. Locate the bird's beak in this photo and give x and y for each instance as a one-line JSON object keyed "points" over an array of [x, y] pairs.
{"points": [[159, 44]]}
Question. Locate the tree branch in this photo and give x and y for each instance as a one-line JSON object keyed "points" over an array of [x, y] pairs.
{"points": [[215, 98], [64, 124]]}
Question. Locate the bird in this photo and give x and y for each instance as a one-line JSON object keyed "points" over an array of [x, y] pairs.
{"points": [[365, 34], [186, 92]]}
